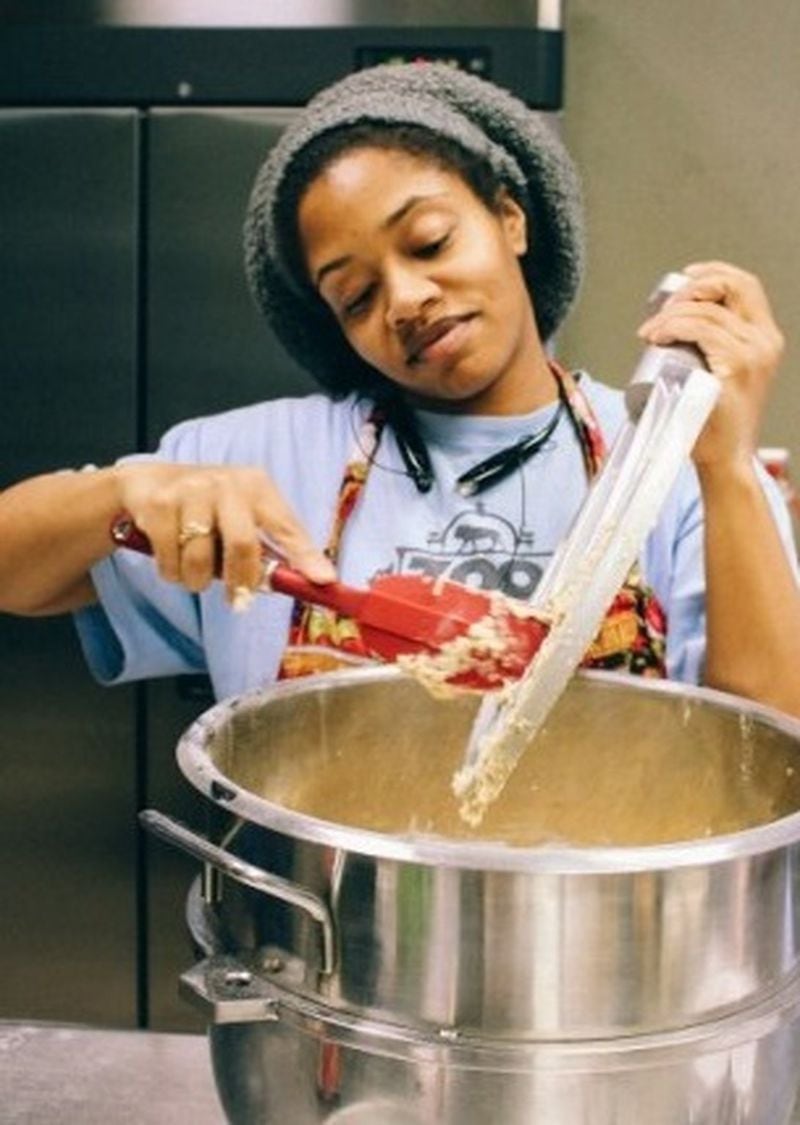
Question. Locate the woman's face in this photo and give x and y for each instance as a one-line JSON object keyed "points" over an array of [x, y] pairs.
{"points": [[425, 281]]}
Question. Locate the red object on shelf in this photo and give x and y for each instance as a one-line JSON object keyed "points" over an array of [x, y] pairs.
{"points": [[775, 460]]}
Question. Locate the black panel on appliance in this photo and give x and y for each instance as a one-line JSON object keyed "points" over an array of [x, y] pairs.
{"points": [[107, 65]]}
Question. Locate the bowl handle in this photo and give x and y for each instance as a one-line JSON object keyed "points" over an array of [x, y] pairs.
{"points": [[177, 834]]}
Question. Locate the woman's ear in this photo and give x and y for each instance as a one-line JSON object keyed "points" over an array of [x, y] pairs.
{"points": [[514, 221]]}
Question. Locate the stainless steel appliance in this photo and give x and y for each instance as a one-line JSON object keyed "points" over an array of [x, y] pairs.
{"points": [[129, 135], [627, 963]]}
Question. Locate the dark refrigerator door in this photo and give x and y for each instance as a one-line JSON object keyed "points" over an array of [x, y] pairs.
{"points": [[208, 349], [68, 772]]}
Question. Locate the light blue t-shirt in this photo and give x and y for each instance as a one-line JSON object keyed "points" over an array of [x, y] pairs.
{"points": [[501, 539]]}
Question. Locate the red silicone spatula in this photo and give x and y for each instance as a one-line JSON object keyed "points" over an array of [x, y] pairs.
{"points": [[478, 640]]}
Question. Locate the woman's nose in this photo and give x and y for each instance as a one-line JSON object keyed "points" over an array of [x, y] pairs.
{"points": [[409, 290]]}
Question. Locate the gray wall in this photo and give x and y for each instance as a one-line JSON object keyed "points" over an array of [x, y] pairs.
{"points": [[684, 116]]}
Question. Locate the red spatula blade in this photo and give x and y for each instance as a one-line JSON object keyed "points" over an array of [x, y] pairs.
{"points": [[472, 639], [485, 639]]}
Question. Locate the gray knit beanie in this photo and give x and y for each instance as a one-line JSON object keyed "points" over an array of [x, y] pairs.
{"points": [[518, 144]]}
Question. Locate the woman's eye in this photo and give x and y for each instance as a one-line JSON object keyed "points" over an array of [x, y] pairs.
{"points": [[431, 249], [359, 303]]}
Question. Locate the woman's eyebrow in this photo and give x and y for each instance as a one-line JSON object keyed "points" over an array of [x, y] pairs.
{"points": [[409, 204], [336, 264], [395, 217]]}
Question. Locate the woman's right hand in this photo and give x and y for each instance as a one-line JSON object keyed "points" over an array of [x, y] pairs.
{"points": [[189, 511]]}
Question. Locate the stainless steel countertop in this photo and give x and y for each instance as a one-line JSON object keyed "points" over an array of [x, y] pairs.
{"points": [[53, 1074]]}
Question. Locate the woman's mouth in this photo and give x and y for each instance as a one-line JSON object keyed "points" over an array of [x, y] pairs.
{"points": [[437, 341]]}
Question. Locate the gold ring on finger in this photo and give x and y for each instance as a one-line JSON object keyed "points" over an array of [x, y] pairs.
{"points": [[193, 529]]}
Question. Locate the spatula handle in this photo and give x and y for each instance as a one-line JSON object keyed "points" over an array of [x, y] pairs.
{"points": [[276, 575], [335, 595], [125, 533]]}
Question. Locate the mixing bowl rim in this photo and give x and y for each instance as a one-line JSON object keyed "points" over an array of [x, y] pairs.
{"points": [[195, 763]]}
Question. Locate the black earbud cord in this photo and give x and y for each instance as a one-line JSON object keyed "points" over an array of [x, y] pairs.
{"points": [[481, 476]]}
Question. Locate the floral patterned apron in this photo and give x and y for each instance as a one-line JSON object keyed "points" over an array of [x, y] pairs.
{"points": [[632, 636]]}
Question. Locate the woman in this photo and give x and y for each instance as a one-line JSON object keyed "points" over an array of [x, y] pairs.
{"points": [[415, 240]]}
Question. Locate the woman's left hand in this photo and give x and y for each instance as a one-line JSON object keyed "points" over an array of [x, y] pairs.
{"points": [[725, 312]]}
